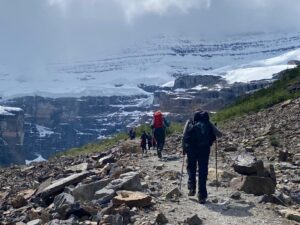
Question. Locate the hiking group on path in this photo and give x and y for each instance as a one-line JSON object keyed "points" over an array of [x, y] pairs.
{"points": [[199, 134]]}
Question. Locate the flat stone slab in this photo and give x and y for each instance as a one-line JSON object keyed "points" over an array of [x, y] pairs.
{"points": [[78, 168], [59, 185], [132, 199]]}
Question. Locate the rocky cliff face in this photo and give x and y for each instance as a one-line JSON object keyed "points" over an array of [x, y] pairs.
{"points": [[11, 135], [53, 125], [206, 92]]}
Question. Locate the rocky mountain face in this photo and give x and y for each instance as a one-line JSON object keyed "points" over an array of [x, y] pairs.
{"points": [[258, 180], [47, 125], [207, 92], [11, 135], [55, 124]]}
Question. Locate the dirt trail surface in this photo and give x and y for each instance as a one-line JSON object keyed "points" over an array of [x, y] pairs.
{"points": [[164, 175]]}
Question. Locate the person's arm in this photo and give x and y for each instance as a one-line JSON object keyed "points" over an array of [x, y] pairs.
{"points": [[216, 131]]}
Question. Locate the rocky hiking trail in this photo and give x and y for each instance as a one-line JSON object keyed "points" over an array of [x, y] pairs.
{"points": [[258, 181], [224, 206]]}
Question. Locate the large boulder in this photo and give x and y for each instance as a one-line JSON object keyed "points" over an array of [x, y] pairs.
{"points": [[62, 202], [106, 159], [128, 181], [130, 146], [60, 184], [104, 195], [247, 164], [254, 185], [132, 199], [86, 192]]}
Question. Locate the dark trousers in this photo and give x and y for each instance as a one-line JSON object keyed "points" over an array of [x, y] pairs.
{"points": [[159, 134], [198, 157]]}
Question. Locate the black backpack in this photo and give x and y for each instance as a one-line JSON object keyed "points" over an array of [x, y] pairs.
{"points": [[199, 132]]}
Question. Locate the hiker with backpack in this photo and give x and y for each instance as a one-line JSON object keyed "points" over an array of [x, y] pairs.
{"points": [[198, 136], [159, 125], [144, 139], [132, 133], [149, 140]]}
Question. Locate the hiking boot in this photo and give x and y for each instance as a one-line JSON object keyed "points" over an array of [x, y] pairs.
{"points": [[192, 192], [201, 200], [159, 155]]}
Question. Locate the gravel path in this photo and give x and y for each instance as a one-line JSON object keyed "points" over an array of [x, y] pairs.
{"points": [[219, 209]]}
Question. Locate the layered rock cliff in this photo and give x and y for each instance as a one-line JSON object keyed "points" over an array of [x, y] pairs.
{"points": [[53, 125], [206, 92], [11, 135]]}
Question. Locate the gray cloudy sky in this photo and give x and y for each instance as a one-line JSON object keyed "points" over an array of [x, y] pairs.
{"points": [[34, 31]]}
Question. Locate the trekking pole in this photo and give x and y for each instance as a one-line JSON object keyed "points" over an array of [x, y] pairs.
{"points": [[181, 172], [216, 154]]}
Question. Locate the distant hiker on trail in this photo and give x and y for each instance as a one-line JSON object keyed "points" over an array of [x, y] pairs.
{"points": [[144, 139], [132, 134], [149, 141], [198, 136], [159, 126]]}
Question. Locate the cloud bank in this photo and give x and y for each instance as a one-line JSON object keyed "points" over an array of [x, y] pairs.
{"points": [[34, 31]]}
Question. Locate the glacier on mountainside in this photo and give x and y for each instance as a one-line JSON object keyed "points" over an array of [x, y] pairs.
{"points": [[155, 61]]}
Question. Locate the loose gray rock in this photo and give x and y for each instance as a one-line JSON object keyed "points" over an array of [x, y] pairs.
{"points": [[104, 195], [161, 219], [236, 195], [62, 203], [78, 168], [106, 159], [18, 202], [112, 220], [194, 220], [59, 185], [35, 222], [247, 164], [86, 192], [128, 181], [175, 192], [254, 185]]}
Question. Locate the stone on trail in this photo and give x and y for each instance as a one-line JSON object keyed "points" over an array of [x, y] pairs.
{"points": [[130, 146], [283, 155], [128, 181], [174, 193], [111, 220], [254, 185], [230, 148], [70, 221], [35, 222], [236, 195], [86, 192], [18, 202], [104, 195], [106, 159], [78, 168], [161, 219], [291, 214], [59, 185], [62, 203], [132, 199], [247, 164], [194, 220], [170, 175]]}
